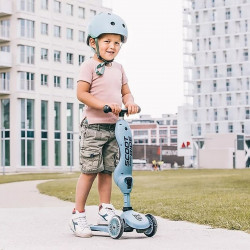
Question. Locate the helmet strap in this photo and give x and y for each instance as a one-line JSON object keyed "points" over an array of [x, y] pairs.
{"points": [[100, 66]]}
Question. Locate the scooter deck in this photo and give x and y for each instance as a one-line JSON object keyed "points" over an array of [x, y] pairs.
{"points": [[102, 228]]}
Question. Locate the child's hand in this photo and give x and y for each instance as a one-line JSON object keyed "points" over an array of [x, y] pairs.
{"points": [[116, 109], [132, 108]]}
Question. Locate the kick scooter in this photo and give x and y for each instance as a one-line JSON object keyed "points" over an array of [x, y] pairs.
{"points": [[129, 219]]}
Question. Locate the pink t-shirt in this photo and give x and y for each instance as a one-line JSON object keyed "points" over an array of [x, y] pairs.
{"points": [[106, 87]]}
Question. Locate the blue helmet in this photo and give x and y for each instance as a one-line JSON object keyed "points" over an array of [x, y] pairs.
{"points": [[104, 23]]}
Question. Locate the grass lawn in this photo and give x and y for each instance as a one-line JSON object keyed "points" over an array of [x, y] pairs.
{"points": [[220, 198]]}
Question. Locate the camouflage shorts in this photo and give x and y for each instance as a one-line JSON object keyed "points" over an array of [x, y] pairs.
{"points": [[98, 148]]}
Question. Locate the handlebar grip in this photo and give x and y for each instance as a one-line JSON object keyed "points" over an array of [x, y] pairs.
{"points": [[107, 109]]}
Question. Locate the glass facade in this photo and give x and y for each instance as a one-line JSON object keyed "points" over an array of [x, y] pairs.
{"points": [[27, 132], [5, 132], [44, 133], [70, 134], [57, 133]]}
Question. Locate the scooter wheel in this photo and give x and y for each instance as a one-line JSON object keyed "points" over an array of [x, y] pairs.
{"points": [[116, 227], [151, 231]]}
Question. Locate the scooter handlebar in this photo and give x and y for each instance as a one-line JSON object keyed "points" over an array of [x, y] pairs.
{"points": [[107, 109]]}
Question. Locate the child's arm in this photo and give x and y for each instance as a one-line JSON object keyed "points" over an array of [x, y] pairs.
{"points": [[85, 97], [128, 100]]}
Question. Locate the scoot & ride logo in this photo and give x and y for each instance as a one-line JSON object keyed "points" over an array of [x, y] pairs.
{"points": [[128, 151]]}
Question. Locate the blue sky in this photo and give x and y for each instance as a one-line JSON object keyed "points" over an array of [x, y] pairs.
{"points": [[152, 56]]}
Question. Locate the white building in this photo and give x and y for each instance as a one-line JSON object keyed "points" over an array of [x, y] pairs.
{"points": [[42, 44], [155, 131], [216, 72]]}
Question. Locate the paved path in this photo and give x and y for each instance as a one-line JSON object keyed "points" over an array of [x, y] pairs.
{"points": [[32, 221]]}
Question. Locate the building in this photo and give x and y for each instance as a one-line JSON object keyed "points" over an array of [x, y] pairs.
{"points": [[42, 44], [155, 138], [216, 73], [155, 131]]}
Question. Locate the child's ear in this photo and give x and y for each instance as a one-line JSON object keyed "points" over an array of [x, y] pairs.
{"points": [[92, 43]]}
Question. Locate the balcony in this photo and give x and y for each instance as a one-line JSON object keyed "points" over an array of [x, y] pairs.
{"points": [[5, 8], [5, 60]]}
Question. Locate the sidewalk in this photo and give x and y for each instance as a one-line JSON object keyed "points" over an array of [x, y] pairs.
{"points": [[30, 220]]}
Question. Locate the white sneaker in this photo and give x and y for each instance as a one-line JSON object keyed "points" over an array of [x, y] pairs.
{"points": [[105, 214], [79, 225]]}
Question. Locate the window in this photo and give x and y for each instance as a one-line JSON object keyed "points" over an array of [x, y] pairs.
{"points": [[44, 54], [57, 6], [57, 56], [69, 34], [228, 14], [26, 5], [227, 41], [245, 55], [173, 132], [213, 29], [44, 4], [216, 127], [214, 57], [81, 36], [215, 115], [81, 59], [227, 85], [27, 132], [27, 54], [229, 99], [92, 13], [153, 132], [226, 114], [26, 81], [198, 87], [226, 28], [26, 28], [57, 81], [5, 131], [140, 132], [69, 58], [70, 82], [57, 31], [69, 9], [229, 70], [197, 30], [175, 122], [230, 128], [70, 134], [247, 113], [44, 80], [214, 86], [215, 72], [163, 132], [44, 133], [57, 133], [81, 12], [5, 28], [4, 81], [44, 29]]}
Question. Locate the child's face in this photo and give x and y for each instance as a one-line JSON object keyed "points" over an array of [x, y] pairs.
{"points": [[109, 46]]}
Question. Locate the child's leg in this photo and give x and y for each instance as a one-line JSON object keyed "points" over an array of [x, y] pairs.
{"points": [[104, 187], [83, 187]]}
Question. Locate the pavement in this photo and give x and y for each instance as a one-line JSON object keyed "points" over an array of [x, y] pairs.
{"points": [[30, 220]]}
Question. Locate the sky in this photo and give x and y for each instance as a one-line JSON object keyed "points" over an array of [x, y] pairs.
{"points": [[152, 56]]}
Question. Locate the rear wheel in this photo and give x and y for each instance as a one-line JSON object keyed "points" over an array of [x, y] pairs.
{"points": [[116, 227], [151, 231]]}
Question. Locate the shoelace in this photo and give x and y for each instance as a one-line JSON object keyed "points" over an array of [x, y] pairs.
{"points": [[82, 222]]}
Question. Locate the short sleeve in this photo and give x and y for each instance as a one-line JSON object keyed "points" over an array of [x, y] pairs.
{"points": [[124, 76], [85, 72]]}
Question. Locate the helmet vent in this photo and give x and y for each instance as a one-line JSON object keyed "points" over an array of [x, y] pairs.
{"points": [[123, 25], [112, 23]]}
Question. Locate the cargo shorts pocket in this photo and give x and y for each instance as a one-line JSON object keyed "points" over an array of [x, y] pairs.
{"points": [[90, 161]]}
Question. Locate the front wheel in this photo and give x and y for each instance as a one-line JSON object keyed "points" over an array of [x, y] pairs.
{"points": [[151, 231], [116, 227]]}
